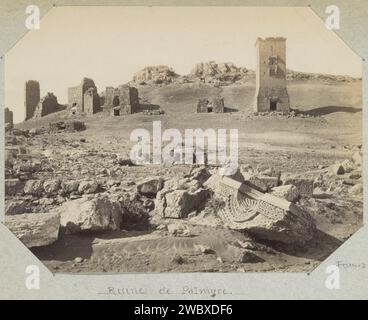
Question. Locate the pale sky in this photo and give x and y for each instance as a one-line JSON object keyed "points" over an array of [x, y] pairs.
{"points": [[110, 44]]}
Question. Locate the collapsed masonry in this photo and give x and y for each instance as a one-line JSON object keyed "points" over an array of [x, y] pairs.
{"points": [[239, 204], [84, 98], [216, 105], [121, 100], [47, 105], [68, 126], [263, 215], [36, 107], [8, 118]]}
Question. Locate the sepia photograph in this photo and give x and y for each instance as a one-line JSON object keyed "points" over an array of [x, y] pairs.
{"points": [[182, 139]]}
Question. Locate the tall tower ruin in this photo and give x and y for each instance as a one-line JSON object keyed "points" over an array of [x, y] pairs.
{"points": [[271, 91], [32, 97]]}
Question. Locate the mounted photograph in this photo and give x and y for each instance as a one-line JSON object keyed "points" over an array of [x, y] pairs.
{"points": [[182, 139]]}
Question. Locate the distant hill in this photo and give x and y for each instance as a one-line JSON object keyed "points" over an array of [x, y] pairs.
{"points": [[222, 74], [155, 75]]}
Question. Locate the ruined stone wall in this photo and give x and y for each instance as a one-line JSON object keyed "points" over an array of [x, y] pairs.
{"points": [[271, 91], [109, 98], [124, 97], [91, 101], [32, 97], [134, 99], [76, 94], [124, 100], [216, 105], [47, 105], [202, 106], [75, 98], [8, 117]]}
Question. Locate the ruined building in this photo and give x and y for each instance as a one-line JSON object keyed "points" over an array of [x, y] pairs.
{"points": [[84, 97], [121, 100], [216, 105], [8, 118], [271, 92], [32, 97], [47, 105]]}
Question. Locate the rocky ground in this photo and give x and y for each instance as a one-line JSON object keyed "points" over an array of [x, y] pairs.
{"points": [[74, 198], [222, 73]]}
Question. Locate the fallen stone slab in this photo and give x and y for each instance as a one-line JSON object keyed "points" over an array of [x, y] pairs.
{"points": [[262, 215], [90, 214], [34, 229]]}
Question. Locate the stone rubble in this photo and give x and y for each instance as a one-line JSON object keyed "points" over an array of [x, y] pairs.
{"points": [[55, 181], [34, 229]]}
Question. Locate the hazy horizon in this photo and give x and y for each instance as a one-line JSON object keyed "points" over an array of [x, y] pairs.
{"points": [[110, 44]]}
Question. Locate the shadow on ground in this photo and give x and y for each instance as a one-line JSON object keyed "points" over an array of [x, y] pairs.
{"points": [[228, 109], [149, 107], [318, 248], [322, 111]]}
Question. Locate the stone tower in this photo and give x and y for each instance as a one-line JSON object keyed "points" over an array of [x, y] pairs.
{"points": [[271, 91], [9, 117], [32, 97]]}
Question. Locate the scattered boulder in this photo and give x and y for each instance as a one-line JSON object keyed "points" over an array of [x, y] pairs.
{"points": [[69, 186], [178, 229], [150, 186], [358, 158], [34, 229], [348, 165], [179, 203], [78, 260], [200, 174], [90, 214], [33, 187], [236, 254], [304, 186], [357, 189], [15, 206], [13, 187], [336, 169], [51, 186], [204, 249], [68, 126], [288, 192], [88, 186], [318, 193], [262, 183], [72, 126]]}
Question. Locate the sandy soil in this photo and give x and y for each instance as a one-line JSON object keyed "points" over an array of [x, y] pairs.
{"points": [[329, 132]]}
